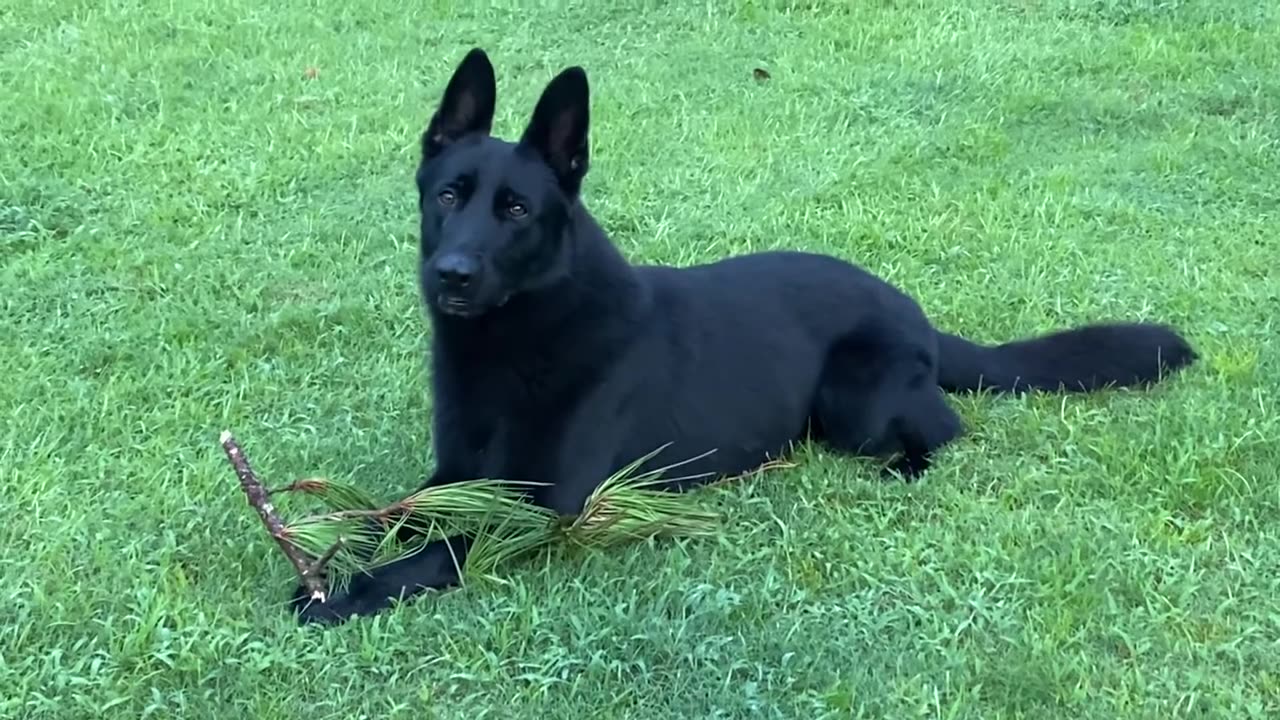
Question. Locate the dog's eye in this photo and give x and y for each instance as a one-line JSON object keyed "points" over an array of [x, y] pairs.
{"points": [[517, 210], [447, 198]]}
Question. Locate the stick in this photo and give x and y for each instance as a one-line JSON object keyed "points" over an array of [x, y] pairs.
{"points": [[259, 499]]}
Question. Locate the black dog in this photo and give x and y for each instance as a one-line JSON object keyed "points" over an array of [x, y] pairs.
{"points": [[556, 361]]}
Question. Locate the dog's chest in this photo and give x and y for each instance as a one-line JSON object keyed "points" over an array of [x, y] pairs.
{"points": [[515, 419]]}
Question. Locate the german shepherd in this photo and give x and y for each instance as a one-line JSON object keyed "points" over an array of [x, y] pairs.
{"points": [[554, 360]]}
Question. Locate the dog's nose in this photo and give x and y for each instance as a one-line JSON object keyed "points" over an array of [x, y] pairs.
{"points": [[456, 270]]}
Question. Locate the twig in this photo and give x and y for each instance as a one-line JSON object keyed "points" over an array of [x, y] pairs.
{"points": [[381, 514], [304, 486], [317, 568], [259, 499]]}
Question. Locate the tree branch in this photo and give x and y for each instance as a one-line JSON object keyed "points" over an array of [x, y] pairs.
{"points": [[259, 499]]}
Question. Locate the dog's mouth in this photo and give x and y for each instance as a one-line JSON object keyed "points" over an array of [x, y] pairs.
{"points": [[456, 306], [467, 308], [462, 307]]}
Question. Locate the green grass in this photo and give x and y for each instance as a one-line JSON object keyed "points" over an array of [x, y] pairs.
{"points": [[195, 236]]}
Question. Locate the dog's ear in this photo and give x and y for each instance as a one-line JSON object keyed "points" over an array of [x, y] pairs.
{"points": [[467, 105], [558, 129]]}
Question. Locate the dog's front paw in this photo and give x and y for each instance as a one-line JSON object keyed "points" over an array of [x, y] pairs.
{"points": [[332, 610], [371, 592], [908, 468], [337, 607]]}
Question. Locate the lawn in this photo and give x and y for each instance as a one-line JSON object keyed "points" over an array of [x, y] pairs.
{"points": [[207, 221]]}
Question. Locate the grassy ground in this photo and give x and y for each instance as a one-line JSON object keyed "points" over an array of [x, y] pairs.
{"points": [[196, 232]]}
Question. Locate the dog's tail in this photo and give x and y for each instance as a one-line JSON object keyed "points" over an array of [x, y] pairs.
{"points": [[1081, 359]]}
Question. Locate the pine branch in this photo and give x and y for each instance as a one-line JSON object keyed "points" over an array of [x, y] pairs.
{"points": [[357, 532]]}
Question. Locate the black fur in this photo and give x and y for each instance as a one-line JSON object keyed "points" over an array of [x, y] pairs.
{"points": [[555, 360]]}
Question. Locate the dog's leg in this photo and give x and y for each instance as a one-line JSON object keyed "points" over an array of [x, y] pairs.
{"points": [[878, 397]]}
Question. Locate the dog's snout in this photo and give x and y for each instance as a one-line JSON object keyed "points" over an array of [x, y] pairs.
{"points": [[456, 270]]}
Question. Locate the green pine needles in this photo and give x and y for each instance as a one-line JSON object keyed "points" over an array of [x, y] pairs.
{"points": [[356, 532]]}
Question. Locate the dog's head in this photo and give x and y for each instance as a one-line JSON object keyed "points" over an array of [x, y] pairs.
{"points": [[495, 214]]}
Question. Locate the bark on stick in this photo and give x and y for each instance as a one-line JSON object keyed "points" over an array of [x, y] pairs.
{"points": [[310, 573]]}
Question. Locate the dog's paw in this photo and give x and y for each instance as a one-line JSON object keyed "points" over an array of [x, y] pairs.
{"points": [[335, 609], [308, 610], [380, 588], [907, 467], [365, 594]]}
